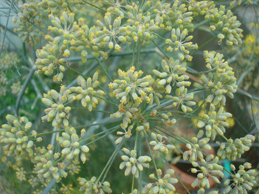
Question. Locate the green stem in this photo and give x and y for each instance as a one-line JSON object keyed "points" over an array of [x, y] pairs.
{"points": [[106, 100], [100, 123], [94, 110], [40, 134], [107, 132], [151, 154], [161, 49], [200, 47], [98, 61], [138, 51], [66, 66], [111, 159]]}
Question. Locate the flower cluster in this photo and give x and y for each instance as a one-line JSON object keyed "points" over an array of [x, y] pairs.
{"points": [[58, 110], [132, 88], [196, 146], [71, 145], [46, 167], [214, 122], [208, 168], [183, 99], [92, 186], [179, 42], [243, 180], [159, 144], [226, 23], [163, 184], [30, 20], [173, 74], [15, 136], [220, 82], [87, 92], [132, 163], [234, 149]]}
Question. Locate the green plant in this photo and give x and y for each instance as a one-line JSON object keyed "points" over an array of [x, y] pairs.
{"points": [[136, 103]]}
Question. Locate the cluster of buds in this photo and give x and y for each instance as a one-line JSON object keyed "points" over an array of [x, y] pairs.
{"points": [[14, 135], [208, 168], [58, 111], [127, 112], [243, 180], [143, 24], [109, 32], [132, 163], [173, 74], [226, 23], [180, 16], [180, 42], [55, 7], [220, 82], [183, 99], [71, 145], [30, 26], [214, 122], [234, 149], [131, 88], [163, 184], [47, 61], [46, 167], [196, 146], [159, 144], [199, 7], [92, 186], [87, 92]]}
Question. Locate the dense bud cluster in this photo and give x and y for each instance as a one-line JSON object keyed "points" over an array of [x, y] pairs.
{"points": [[71, 145], [158, 143], [132, 163], [86, 91], [209, 167], [196, 147], [173, 74], [163, 184], [127, 113], [220, 82], [182, 99], [58, 110], [132, 88], [30, 20], [93, 186], [14, 136], [214, 122], [226, 23], [243, 180], [179, 42], [45, 165], [234, 149]]}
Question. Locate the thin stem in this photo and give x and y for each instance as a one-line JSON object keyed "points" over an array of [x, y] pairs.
{"points": [[108, 131], [151, 154], [138, 53], [99, 123], [111, 159], [94, 110], [40, 134], [200, 47], [66, 66], [98, 61]]}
